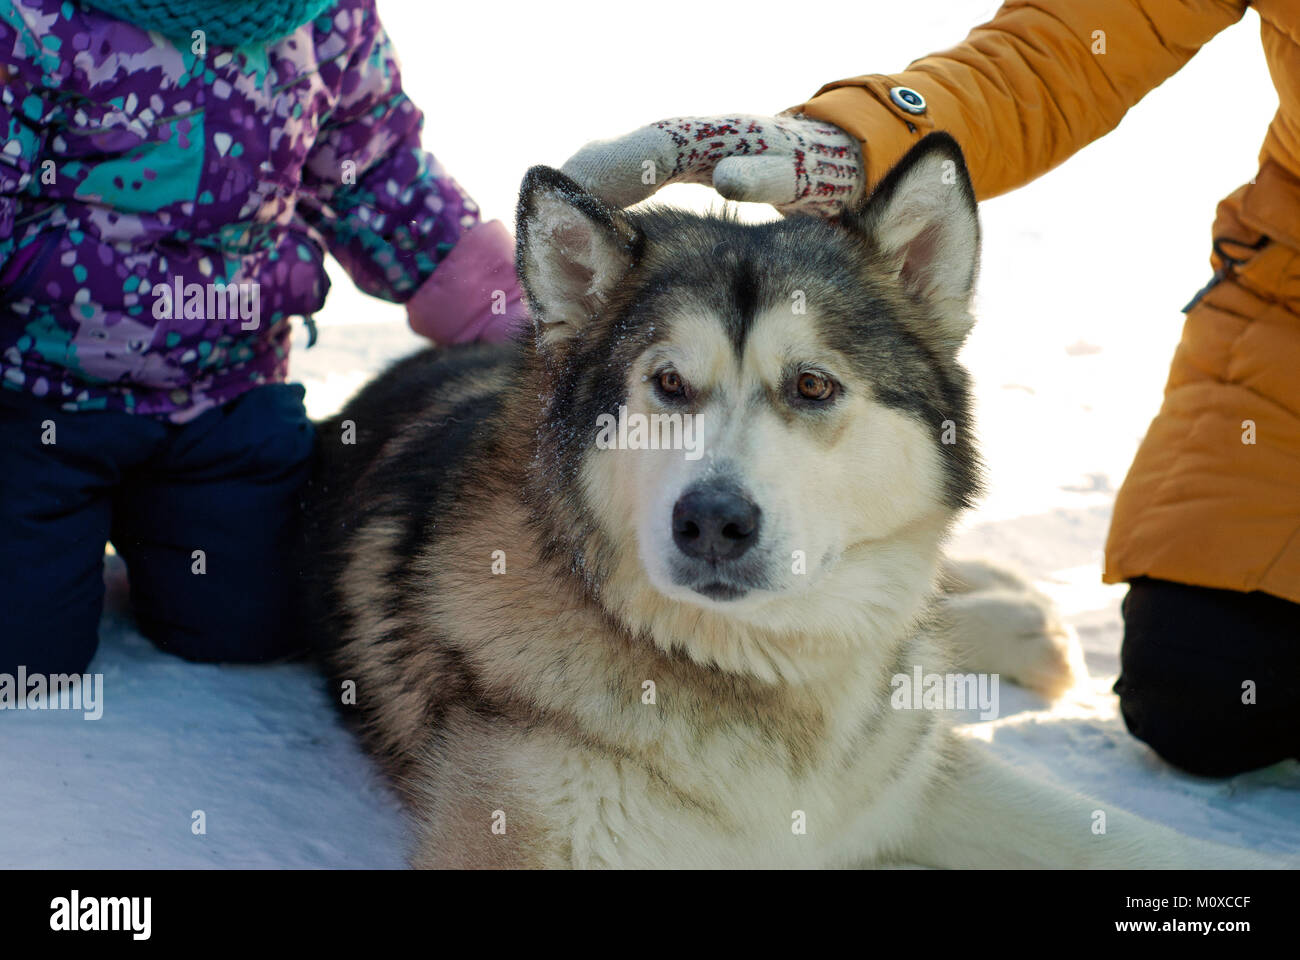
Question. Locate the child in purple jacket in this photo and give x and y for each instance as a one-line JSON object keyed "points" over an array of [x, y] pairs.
{"points": [[171, 175]]}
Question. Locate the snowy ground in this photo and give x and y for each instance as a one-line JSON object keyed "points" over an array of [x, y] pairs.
{"points": [[1083, 276]]}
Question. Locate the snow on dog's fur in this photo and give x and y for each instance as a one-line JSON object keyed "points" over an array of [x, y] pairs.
{"points": [[568, 654]]}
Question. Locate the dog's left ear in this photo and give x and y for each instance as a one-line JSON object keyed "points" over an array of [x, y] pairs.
{"points": [[571, 251], [922, 221]]}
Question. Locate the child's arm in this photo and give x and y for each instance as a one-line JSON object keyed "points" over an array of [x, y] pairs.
{"points": [[1021, 94], [401, 226], [21, 139]]}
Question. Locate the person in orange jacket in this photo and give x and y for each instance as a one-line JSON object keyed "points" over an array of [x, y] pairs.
{"points": [[1206, 528]]}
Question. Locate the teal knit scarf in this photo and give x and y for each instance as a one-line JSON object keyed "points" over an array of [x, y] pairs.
{"points": [[227, 23]]}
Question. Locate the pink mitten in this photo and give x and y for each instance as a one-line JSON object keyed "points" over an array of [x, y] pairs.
{"points": [[474, 293]]}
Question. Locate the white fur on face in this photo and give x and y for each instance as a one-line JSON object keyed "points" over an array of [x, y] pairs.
{"points": [[833, 485]]}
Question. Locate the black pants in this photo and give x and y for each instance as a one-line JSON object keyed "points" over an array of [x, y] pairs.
{"points": [[204, 514], [1192, 661]]}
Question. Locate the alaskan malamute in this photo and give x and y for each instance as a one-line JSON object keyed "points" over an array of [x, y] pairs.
{"points": [[635, 590]]}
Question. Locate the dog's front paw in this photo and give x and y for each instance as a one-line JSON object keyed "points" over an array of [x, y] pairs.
{"points": [[1015, 632]]}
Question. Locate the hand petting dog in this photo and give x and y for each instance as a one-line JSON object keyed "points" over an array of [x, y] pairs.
{"points": [[797, 164]]}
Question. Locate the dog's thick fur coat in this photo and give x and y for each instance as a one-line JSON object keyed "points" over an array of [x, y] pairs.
{"points": [[567, 656]]}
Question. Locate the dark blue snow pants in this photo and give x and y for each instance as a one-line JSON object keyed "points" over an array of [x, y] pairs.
{"points": [[203, 513], [1210, 679]]}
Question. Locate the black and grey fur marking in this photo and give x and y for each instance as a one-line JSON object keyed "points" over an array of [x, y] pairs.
{"points": [[733, 270]]}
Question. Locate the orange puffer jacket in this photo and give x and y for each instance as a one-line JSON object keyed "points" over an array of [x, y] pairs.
{"points": [[1213, 496]]}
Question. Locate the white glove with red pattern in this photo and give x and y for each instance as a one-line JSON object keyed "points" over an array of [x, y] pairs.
{"points": [[796, 164]]}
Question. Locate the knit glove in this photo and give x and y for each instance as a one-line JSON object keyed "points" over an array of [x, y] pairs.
{"points": [[796, 164]]}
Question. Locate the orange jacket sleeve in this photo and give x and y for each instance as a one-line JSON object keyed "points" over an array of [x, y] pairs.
{"points": [[1030, 87]]}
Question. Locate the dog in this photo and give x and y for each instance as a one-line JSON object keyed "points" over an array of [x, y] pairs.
{"points": [[635, 589]]}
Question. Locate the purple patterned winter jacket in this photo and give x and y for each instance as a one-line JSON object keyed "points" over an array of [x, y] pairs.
{"points": [[165, 212]]}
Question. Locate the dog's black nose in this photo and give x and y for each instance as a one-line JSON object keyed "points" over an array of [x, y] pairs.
{"points": [[713, 523]]}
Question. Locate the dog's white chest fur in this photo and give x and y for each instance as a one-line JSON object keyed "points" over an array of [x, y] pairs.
{"points": [[732, 798]]}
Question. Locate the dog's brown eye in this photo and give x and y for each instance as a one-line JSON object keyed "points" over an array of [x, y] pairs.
{"points": [[670, 382], [813, 386]]}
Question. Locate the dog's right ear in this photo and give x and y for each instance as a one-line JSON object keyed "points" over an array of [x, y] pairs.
{"points": [[571, 251], [923, 224]]}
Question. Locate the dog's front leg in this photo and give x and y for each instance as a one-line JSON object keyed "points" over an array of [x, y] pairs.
{"points": [[985, 814]]}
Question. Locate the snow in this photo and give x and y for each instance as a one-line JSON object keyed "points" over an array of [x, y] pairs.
{"points": [[1078, 313]]}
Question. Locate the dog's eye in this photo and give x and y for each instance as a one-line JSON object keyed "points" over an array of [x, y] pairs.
{"points": [[670, 383], [815, 386]]}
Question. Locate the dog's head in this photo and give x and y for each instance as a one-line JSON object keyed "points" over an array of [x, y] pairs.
{"points": [[755, 427]]}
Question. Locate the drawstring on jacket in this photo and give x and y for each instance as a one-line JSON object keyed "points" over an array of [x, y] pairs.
{"points": [[1229, 264]]}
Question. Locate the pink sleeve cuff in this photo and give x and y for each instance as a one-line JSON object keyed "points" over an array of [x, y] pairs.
{"points": [[474, 293]]}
